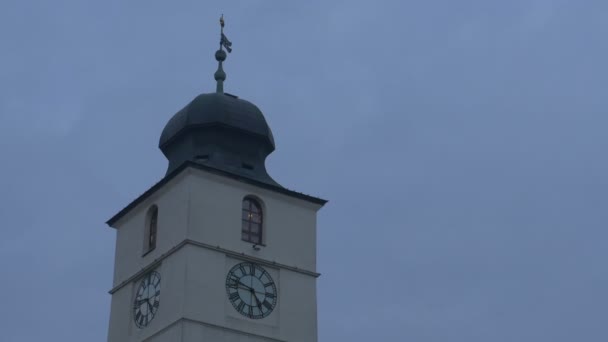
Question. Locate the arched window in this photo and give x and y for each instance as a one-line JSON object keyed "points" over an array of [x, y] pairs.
{"points": [[151, 229], [252, 221]]}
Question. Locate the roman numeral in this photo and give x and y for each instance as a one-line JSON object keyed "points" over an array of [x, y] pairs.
{"points": [[240, 306], [252, 269], [234, 296], [267, 305], [270, 295], [233, 282], [251, 311], [268, 284], [242, 268]]}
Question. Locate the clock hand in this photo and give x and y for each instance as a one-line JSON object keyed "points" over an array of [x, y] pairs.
{"points": [[245, 286], [141, 301], [258, 301]]}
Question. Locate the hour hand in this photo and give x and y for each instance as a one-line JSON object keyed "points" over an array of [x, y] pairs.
{"points": [[245, 286], [141, 301]]}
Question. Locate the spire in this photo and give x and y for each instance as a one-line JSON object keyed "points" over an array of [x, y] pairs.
{"points": [[220, 57]]}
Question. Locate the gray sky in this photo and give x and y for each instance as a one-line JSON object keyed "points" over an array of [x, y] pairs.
{"points": [[462, 145]]}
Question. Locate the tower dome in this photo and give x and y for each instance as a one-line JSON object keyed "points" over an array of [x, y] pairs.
{"points": [[220, 130]]}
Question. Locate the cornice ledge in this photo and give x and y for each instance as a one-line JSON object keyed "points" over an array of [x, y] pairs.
{"points": [[252, 258], [231, 253]]}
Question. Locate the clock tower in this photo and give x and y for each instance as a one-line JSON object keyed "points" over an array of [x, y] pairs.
{"points": [[216, 250]]}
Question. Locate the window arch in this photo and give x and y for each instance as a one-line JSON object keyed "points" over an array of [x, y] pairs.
{"points": [[151, 229], [252, 221]]}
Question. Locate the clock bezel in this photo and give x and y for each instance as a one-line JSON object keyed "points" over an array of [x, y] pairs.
{"points": [[234, 296], [152, 276]]}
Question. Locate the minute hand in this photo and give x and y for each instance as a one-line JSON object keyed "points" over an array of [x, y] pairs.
{"points": [[257, 300]]}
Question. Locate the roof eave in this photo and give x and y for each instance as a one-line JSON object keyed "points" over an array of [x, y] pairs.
{"points": [[114, 219]]}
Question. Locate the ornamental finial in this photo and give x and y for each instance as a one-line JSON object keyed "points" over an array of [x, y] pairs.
{"points": [[220, 57]]}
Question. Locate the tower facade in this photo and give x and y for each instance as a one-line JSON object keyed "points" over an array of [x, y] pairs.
{"points": [[216, 250]]}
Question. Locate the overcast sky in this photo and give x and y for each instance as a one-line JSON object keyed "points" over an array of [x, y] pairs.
{"points": [[462, 145]]}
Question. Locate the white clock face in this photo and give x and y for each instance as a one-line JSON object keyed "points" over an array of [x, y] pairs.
{"points": [[251, 290], [147, 300]]}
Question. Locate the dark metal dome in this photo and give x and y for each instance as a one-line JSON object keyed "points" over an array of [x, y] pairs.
{"points": [[221, 131]]}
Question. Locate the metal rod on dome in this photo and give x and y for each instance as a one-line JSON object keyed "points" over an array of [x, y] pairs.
{"points": [[220, 56]]}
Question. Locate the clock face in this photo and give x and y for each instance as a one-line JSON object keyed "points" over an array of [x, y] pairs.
{"points": [[147, 300], [251, 290]]}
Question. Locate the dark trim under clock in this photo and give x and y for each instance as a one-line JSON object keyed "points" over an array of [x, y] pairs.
{"points": [[216, 326], [228, 252]]}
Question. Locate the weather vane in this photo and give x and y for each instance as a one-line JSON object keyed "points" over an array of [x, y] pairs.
{"points": [[224, 40], [220, 56]]}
